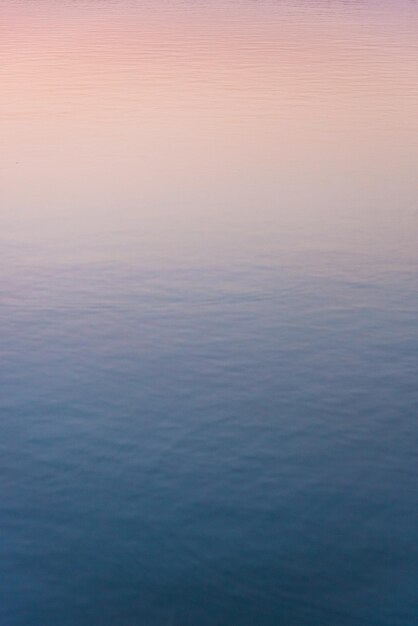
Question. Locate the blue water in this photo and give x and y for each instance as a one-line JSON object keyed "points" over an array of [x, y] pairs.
{"points": [[209, 395]]}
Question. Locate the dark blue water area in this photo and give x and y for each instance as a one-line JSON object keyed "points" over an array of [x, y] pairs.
{"points": [[220, 445]]}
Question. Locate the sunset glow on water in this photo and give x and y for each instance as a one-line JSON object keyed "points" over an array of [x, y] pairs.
{"points": [[208, 312]]}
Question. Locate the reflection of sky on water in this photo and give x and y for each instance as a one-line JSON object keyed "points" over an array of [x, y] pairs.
{"points": [[208, 296]]}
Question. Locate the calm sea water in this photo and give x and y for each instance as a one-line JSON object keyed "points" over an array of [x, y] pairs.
{"points": [[208, 313]]}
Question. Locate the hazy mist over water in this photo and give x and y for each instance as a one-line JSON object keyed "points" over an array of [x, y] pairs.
{"points": [[208, 313]]}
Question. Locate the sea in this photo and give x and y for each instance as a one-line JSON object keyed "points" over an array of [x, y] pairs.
{"points": [[208, 313]]}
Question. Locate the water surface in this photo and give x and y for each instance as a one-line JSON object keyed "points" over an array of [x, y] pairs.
{"points": [[208, 313]]}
